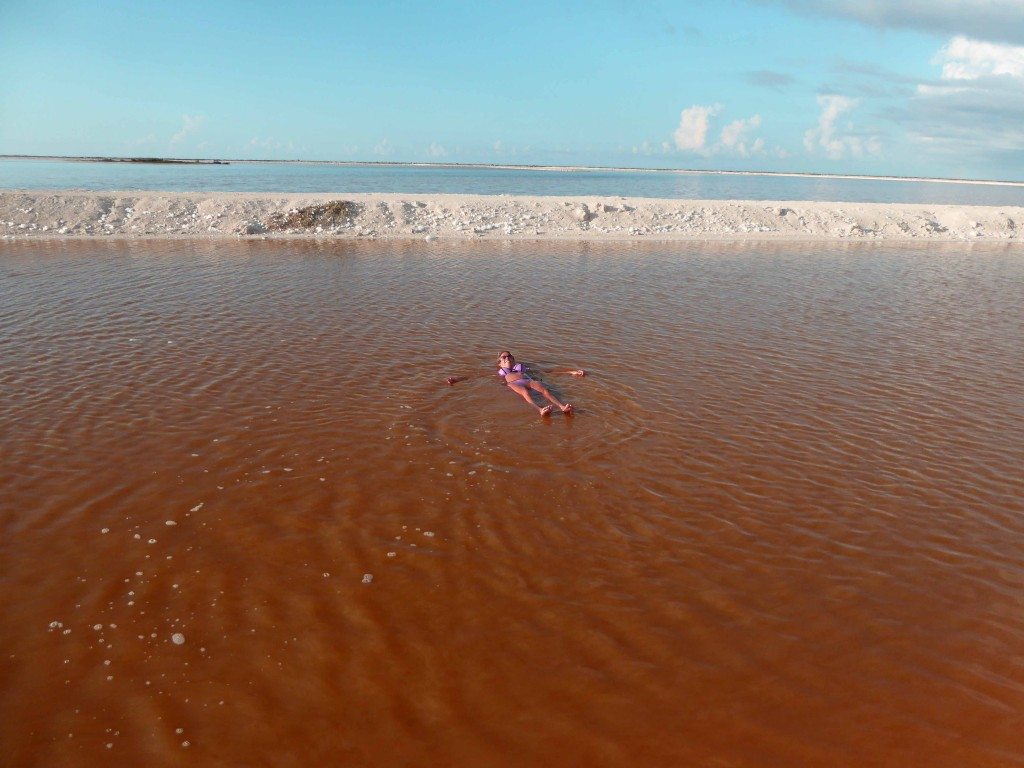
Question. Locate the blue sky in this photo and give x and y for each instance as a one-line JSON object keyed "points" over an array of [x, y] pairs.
{"points": [[930, 88]]}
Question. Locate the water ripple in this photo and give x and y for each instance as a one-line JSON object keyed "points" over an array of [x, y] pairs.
{"points": [[782, 528]]}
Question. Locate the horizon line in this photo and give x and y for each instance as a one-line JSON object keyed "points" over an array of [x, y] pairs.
{"points": [[514, 167]]}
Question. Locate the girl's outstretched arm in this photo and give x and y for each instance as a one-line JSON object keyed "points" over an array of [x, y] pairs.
{"points": [[577, 372], [453, 380]]}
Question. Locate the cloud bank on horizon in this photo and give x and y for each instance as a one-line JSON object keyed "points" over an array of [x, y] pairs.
{"points": [[974, 104], [904, 87]]}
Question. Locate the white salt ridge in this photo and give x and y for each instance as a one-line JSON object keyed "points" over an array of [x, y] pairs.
{"points": [[178, 639], [461, 217]]}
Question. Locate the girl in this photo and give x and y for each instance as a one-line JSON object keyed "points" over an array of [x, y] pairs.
{"points": [[516, 377]]}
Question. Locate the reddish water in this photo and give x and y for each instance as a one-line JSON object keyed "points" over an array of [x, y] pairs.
{"points": [[785, 527]]}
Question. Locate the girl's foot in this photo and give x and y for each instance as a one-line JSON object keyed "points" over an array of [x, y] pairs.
{"points": [[567, 409], [546, 410]]}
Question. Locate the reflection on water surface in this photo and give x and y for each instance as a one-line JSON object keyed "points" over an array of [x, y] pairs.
{"points": [[784, 527]]}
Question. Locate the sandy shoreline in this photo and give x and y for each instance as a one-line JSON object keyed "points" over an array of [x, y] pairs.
{"points": [[139, 215]]}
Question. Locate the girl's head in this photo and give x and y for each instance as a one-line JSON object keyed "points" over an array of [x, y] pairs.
{"points": [[506, 360]]}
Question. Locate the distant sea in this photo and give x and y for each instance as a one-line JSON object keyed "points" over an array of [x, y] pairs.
{"points": [[483, 180]]}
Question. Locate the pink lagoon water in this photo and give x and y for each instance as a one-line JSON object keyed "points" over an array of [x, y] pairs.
{"points": [[244, 522]]}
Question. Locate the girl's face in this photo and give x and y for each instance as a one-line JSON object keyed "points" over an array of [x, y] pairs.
{"points": [[506, 360]]}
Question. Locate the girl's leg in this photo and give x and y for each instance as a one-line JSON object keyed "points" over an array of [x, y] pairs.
{"points": [[523, 392], [536, 386]]}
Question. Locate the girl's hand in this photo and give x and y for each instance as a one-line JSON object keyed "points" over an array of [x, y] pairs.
{"points": [[578, 373]]}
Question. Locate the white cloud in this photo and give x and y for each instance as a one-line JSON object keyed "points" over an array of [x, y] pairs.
{"points": [[967, 59], [695, 126], [692, 133], [975, 108], [189, 125], [436, 150], [734, 137], [827, 135], [831, 107], [835, 142], [383, 148], [927, 89], [967, 120], [498, 146]]}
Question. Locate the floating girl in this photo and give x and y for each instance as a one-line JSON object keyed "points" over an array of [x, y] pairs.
{"points": [[517, 377]]}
